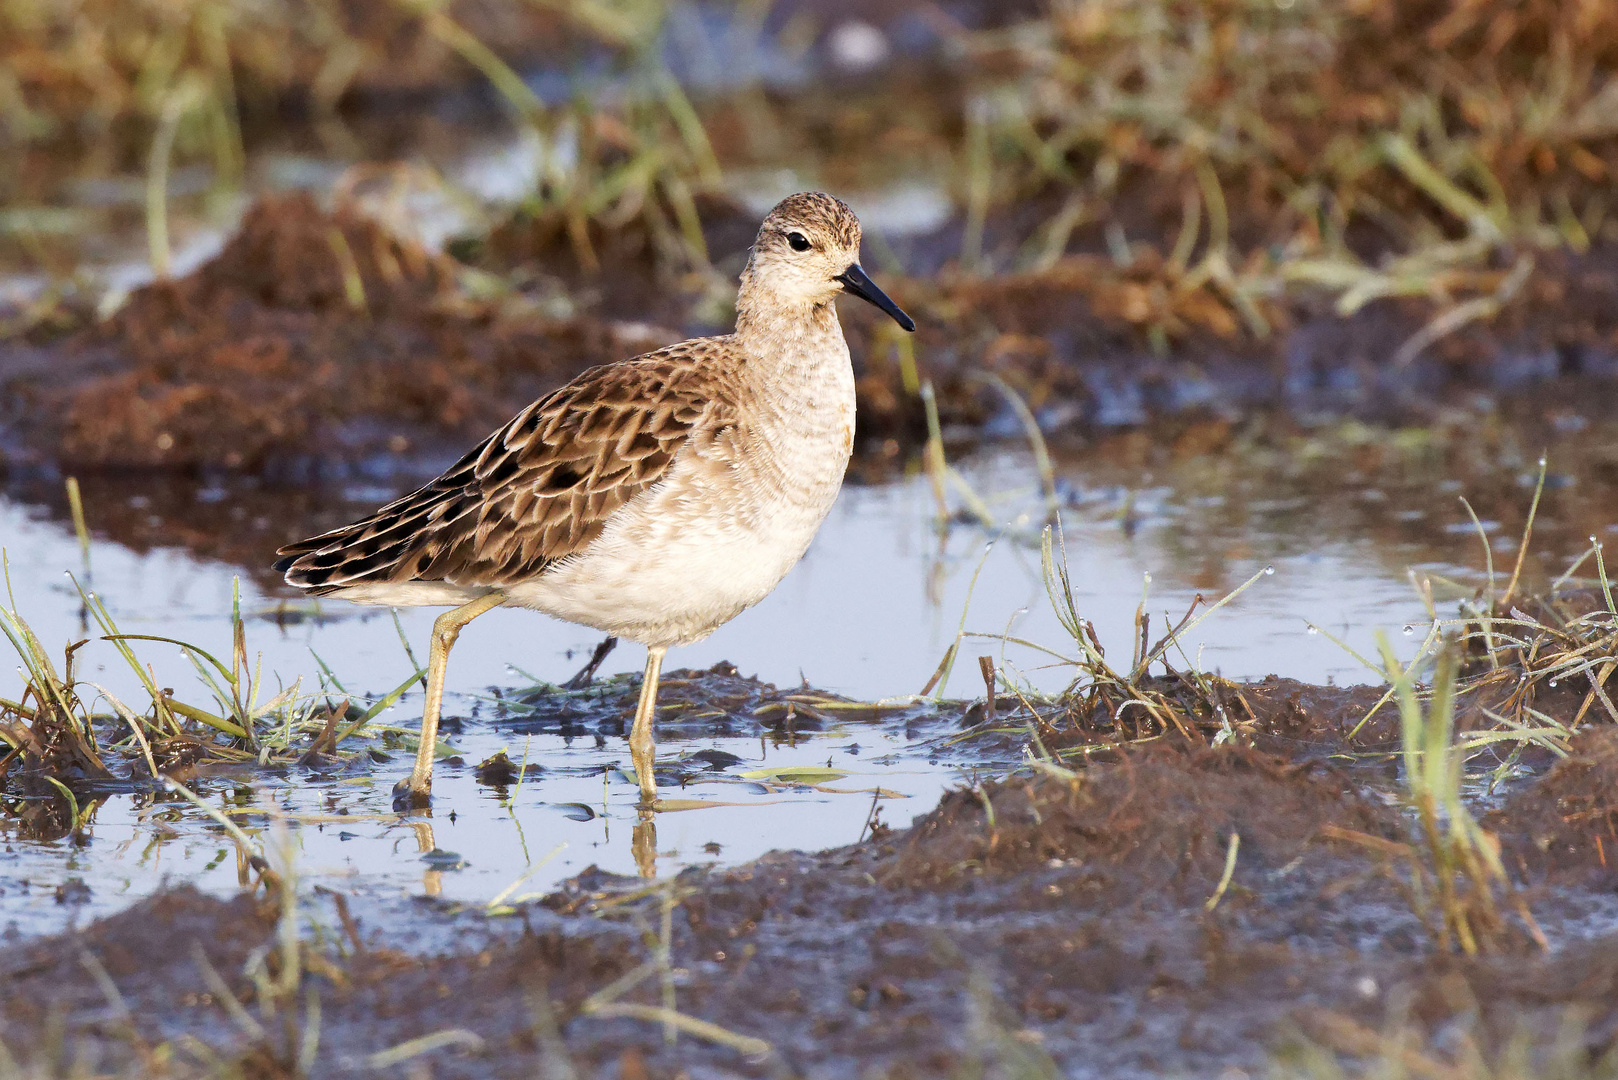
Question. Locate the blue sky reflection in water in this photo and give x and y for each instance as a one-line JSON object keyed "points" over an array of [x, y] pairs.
{"points": [[868, 613]]}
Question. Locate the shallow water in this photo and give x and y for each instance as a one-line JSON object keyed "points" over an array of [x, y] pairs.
{"points": [[868, 614]]}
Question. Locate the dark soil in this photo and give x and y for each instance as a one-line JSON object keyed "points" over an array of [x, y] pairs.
{"points": [[1564, 823], [1034, 924], [1071, 342], [268, 359]]}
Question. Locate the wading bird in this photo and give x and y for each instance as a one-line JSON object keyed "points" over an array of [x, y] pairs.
{"points": [[654, 499]]}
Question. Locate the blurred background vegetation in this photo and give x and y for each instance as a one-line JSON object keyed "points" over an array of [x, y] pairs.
{"points": [[1189, 170]]}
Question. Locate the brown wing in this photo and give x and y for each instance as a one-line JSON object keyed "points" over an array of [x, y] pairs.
{"points": [[537, 490]]}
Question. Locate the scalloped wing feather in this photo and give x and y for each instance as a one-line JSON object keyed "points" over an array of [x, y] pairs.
{"points": [[537, 490]]}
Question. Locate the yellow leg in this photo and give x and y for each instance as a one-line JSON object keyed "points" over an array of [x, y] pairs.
{"points": [[418, 790], [640, 736]]}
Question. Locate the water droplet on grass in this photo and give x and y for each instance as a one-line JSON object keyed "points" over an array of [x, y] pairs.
{"points": [[1268, 570], [1409, 630], [1313, 630]]}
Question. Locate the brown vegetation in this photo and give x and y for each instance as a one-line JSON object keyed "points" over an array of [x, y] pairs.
{"points": [[311, 340]]}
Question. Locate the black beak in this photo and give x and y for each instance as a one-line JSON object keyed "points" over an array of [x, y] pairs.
{"points": [[854, 281]]}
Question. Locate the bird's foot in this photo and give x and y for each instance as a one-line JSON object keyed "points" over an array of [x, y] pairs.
{"points": [[407, 798]]}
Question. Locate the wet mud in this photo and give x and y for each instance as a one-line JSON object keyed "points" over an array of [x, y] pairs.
{"points": [[313, 341], [1054, 923], [1230, 891], [1071, 340], [319, 346], [1562, 826]]}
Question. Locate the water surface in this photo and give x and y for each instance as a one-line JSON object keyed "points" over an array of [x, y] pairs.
{"points": [[880, 597]]}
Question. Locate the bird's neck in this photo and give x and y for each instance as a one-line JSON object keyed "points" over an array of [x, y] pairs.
{"points": [[766, 310], [799, 381], [776, 330]]}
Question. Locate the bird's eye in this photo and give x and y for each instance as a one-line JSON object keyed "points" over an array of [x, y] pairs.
{"points": [[798, 241]]}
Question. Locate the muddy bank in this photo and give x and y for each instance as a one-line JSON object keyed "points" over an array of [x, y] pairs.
{"points": [[313, 341], [317, 345], [1352, 728], [1116, 246], [1074, 342], [1562, 827], [1033, 925], [320, 366]]}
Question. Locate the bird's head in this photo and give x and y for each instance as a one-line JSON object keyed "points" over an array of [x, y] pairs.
{"points": [[808, 251]]}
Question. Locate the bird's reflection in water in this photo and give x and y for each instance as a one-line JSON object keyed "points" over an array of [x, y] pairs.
{"points": [[432, 880], [643, 843]]}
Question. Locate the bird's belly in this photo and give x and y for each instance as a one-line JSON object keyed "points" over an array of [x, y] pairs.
{"points": [[666, 575]]}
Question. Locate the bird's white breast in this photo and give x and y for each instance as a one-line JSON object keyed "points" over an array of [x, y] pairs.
{"points": [[714, 536]]}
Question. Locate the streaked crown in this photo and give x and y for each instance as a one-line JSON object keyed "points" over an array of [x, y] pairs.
{"points": [[805, 243], [817, 216]]}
